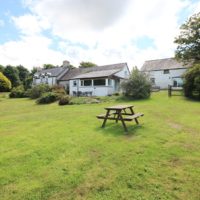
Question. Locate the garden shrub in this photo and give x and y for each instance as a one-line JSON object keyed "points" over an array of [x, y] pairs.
{"points": [[59, 90], [64, 100], [5, 84], [137, 86], [18, 92], [38, 90], [48, 97], [191, 85]]}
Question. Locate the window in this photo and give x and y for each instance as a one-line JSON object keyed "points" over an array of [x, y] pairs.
{"points": [[74, 83], [99, 82], [166, 71], [152, 80], [86, 82]]}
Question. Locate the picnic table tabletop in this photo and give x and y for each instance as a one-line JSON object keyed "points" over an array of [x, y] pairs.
{"points": [[119, 107]]}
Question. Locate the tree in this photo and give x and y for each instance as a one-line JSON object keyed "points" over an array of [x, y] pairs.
{"points": [[5, 84], [48, 66], [191, 84], [23, 74], [1, 68], [188, 41], [12, 74], [87, 64], [137, 86]]}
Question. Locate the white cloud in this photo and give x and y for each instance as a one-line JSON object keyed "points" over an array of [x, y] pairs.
{"points": [[100, 31]]}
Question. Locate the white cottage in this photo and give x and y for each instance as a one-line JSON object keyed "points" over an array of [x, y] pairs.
{"points": [[50, 76], [164, 72], [95, 81]]}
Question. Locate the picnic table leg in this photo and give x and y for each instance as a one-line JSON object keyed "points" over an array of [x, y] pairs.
{"points": [[106, 117], [132, 112], [122, 120], [117, 113]]}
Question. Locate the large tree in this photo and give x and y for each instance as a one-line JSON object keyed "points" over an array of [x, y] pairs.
{"points": [[188, 41], [1, 68], [87, 64], [12, 74], [48, 66]]}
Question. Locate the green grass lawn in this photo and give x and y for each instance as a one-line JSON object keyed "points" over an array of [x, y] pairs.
{"points": [[60, 152]]}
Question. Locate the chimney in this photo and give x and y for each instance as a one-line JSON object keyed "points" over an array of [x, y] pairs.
{"points": [[66, 63]]}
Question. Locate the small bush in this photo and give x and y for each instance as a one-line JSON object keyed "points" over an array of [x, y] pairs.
{"points": [[48, 97], [64, 100], [38, 90], [137, 86], [5, 84], [18, 92]]}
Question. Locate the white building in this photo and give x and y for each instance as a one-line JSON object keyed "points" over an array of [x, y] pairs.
{"points": [[50, 76], [164, 72], [95, 81]]}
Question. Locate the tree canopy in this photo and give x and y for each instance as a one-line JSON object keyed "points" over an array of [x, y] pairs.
{"points": [[5, 84], [188, 41], [12, 74], [48, 66], [87, 64]]}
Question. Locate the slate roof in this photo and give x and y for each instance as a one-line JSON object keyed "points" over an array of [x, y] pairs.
{"points": [[97, 74], [56, 71], [161, 64], [91, 72]]}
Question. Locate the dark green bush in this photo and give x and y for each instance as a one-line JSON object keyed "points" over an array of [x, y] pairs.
{"points": [[37, 91], [137, 86], [191, 85], [64, 100], [46, 98], [18, 92], [5, 84]]}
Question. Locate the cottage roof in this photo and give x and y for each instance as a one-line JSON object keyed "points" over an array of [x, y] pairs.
{"points": [[97, 74], [161, 64], [91, 72], [56, 71]]}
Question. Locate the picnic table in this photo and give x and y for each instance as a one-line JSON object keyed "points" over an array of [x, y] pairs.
{"points": [[120, 113]]}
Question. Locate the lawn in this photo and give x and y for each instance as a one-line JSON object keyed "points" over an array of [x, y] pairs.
{"points": [[60, 152]]}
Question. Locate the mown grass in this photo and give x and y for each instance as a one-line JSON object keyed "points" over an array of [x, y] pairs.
{"points": [[60, 152]]}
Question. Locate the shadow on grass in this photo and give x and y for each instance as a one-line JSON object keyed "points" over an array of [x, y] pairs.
{"points": [[117, 129]]}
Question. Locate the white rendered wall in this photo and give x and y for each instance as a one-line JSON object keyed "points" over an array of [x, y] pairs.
{"points": [[96, 90], [123, 73], [163, 80]]}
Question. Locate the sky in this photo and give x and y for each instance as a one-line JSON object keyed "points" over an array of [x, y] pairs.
{"points": [[37, 32]]}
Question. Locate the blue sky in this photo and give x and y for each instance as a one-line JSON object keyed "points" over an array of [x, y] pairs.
{"points": [[34, 32]]}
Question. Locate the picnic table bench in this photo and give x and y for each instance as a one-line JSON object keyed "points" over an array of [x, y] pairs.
{"points": [[120, 113]]}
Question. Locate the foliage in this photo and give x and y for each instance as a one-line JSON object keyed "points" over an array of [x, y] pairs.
{"points": [[18, 92], [137, 86], [87, 64], [48, 97], [64, 100], [1, 68], [191, 84], [37, 91], [24, 76], [5, 84], [12, 74], [59, 90], [48, 66], [188, 49]]}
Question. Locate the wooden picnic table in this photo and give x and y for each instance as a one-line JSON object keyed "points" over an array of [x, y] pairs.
{"points": [[120, 113]]}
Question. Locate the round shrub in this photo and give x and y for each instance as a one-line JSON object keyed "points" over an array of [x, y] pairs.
{"points": [[18, 92], [137, 86], [64, 100], [38, 90], [48, 97], [5, 84]]}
